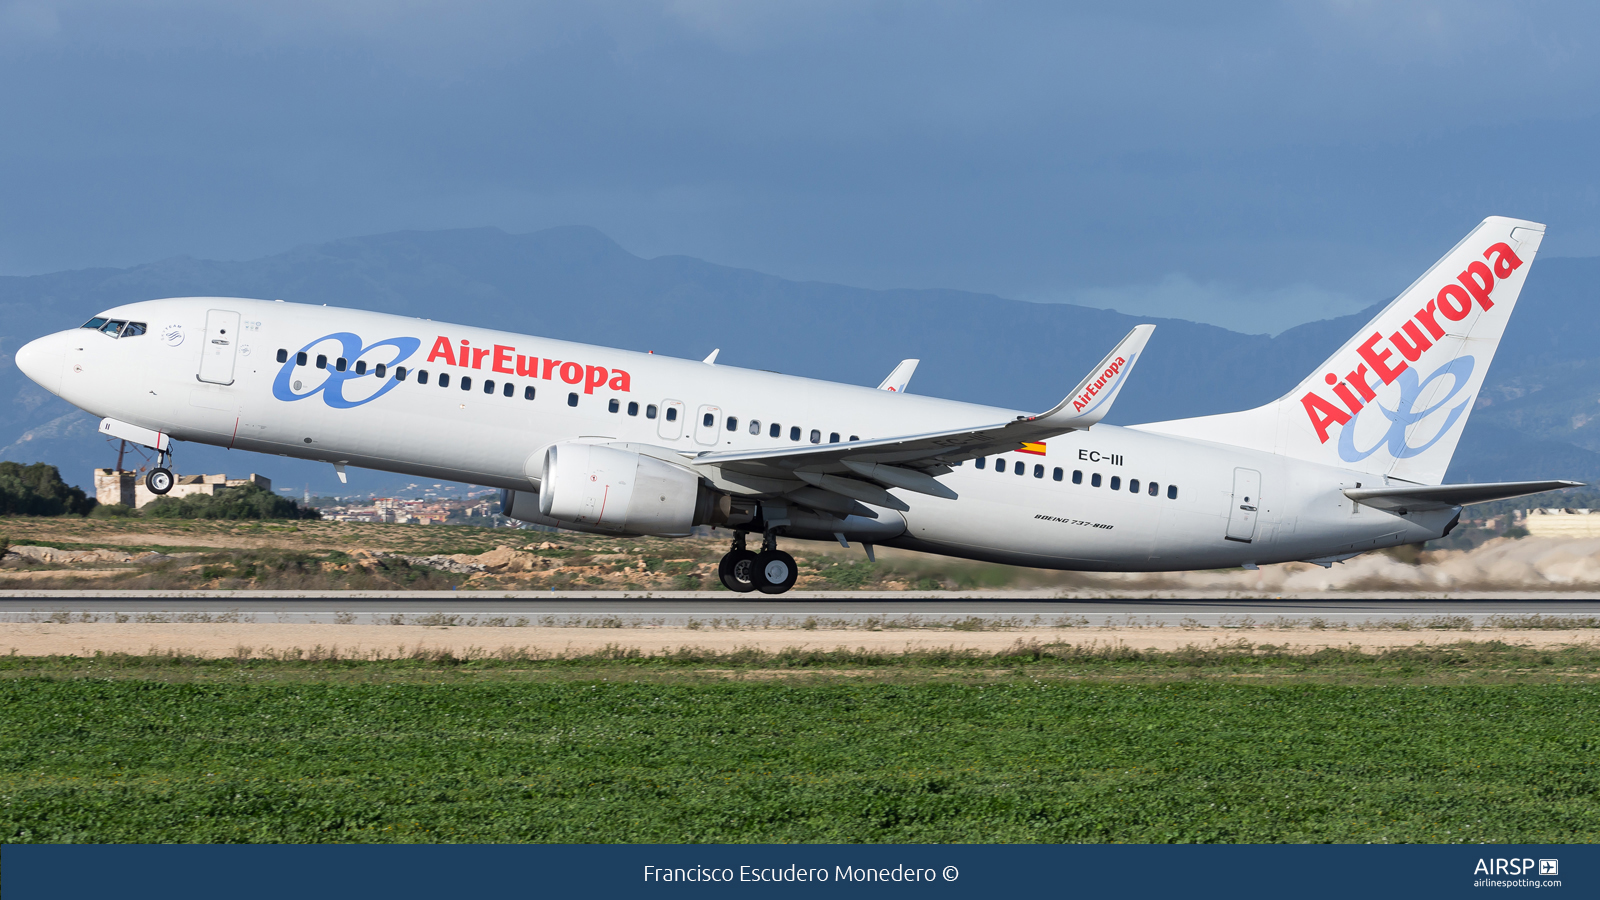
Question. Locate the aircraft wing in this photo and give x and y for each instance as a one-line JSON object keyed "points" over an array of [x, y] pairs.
{"points": [[1443, 496], [853, 469], [900, 377]]}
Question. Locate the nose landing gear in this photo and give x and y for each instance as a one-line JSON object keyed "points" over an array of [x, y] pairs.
{"points": [[160, 479], [771, 571]]}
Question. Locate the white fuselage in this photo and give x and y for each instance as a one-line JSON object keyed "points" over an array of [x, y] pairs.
{"points": [[153, 381]]}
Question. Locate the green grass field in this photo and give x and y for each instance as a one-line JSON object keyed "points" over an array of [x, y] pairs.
{"points": [[908, 751]]}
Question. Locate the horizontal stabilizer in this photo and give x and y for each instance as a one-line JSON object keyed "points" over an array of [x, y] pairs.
{"points": [[1444, 496]]}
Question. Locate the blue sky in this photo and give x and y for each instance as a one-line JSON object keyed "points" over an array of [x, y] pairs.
{"points": [[1251, 164]]}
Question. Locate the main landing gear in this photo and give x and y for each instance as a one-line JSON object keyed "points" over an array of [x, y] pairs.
{"points": [[771, 571], [160, 479]]}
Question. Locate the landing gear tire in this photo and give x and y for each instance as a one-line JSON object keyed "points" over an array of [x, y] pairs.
{"points": [[737, 571], [774, 572], [158, 480]]}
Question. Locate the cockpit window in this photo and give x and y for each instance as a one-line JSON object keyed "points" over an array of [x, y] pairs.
{"points": [[115, 327]]}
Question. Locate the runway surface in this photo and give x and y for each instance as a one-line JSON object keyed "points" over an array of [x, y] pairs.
{"points": [[677, 609]]}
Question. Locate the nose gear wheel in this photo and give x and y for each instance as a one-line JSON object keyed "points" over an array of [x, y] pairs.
{"points": [[159, 480]]}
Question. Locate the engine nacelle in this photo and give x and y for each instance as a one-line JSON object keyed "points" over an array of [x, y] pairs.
{"points": [[601, 488]]}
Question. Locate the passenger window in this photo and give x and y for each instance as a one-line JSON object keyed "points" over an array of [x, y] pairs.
{"points": [[794, 432], [466, 382], [979, 462], [775, 430], [833, 437], [672, 411], [572, 400], [340, 365], [816, 436], [1172, 492], [300, 358], [1094, 480], [650, 411], [361, 367], [322, 361], [1056, 475], [1021, 467], [1038, 471], [1133, 485], [1077, 476], [709, 420], [510, 390], [853, 439], [755, 426], [633, 408], [283, 356], [134, 329], [380, 370], [614, 405], [422, 376], [444, 379], [1000, 464], [528, 392], [399, 373], [1154, 489], [1116, 482], [733, 423], [488, 386]]}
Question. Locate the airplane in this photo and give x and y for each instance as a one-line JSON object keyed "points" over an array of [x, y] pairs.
{"points": [[1351, 459]]}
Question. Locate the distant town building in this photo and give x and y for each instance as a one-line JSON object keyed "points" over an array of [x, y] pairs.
{"points": [[127, 488], [1562, 523]]}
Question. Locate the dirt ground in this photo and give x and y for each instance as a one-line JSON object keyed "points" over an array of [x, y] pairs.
{"points": [[274, 640]]}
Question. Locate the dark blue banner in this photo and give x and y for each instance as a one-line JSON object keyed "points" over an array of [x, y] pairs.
{"points": [[245, 872]]}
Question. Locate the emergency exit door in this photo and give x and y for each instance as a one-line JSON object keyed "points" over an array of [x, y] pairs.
{"points": [[671, 427], [222, 337], [1246, 504]]}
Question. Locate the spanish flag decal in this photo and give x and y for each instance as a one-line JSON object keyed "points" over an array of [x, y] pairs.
{"points": [[1030, 447]]}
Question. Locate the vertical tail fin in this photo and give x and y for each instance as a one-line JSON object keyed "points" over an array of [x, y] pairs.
{"points": [[1394, 399]]}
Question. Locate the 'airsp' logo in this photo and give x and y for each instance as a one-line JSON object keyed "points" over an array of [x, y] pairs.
{"points": [[343, 390]]}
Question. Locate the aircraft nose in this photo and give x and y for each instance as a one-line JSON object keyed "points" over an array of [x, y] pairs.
{"points": [[41, 361]]}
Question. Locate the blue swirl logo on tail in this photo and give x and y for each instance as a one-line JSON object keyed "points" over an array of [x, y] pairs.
{"points": [[1404, 415], [332, 388]]}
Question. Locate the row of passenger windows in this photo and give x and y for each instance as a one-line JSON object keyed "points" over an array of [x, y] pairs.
{"points": [[509, 390], [1021, 468], [422, 376]]}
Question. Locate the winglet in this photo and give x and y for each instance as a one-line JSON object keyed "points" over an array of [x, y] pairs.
{"points": [[900, 377], [712, 359], [1092, 398]]}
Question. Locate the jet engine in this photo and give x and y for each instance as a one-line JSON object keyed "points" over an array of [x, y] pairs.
{"points": [[596, 488]]}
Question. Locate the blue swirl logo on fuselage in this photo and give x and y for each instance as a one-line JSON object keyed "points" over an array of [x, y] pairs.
{"points": [[333, 386], [1404, 414]]}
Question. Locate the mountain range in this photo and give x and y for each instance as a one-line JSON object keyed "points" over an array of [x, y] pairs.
{"points": [[1538, 415]]}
